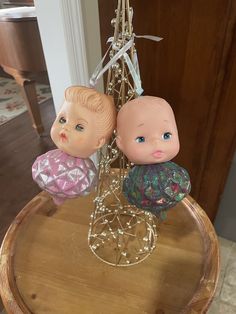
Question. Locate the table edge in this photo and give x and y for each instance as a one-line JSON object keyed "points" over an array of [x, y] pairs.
{"points": [[199, 303]]}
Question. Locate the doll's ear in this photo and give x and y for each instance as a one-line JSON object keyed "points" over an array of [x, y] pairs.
{"points": [[100, 142]]}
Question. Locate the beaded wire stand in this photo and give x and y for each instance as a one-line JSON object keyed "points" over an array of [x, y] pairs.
{"points": [[120, 234]]}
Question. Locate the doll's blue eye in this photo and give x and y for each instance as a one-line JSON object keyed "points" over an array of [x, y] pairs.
{"points": [[79, 128], [62, 120], [140, 139], [167, 136]]}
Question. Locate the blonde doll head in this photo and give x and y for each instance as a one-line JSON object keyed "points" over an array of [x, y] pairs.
{"points": [[85, 122]]}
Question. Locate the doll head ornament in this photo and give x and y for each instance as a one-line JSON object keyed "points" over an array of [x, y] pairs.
{"points": [[85, 122], [147, 134], [147, 131]]}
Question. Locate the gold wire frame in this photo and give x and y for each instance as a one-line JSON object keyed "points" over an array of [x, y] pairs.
{"points": [[119, 234]]}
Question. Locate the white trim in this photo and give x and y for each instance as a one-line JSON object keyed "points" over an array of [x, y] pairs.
{"points": [[62, 34], [92, 36], [74, 36]]}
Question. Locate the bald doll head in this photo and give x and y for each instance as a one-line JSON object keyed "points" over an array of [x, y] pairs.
{"points": [[147, 131]]}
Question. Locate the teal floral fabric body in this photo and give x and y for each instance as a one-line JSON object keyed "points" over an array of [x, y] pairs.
{"points": [[156, 187]]}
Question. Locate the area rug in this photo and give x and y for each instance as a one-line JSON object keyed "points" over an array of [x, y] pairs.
{"points": [[12, 102]]}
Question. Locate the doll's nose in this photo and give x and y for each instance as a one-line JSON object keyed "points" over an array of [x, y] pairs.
{"points": [[156, 140], [66, 127]]}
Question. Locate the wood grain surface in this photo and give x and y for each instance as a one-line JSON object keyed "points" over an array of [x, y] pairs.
{"points": [[21, 56], [193, 68], [47, 266], [21, 46], [16, 160], [20, 146]]}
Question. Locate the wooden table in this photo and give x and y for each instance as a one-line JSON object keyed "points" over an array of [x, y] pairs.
{"points": [[21, 55], [46, 265]]}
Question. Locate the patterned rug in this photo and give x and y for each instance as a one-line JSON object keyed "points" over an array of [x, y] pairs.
{"points": [[12, 103]]}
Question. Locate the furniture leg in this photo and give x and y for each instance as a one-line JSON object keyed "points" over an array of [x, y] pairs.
{"points": [[29, 93], [30, 96]]}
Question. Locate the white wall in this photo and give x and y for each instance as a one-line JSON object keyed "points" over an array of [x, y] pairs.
{"points": [[225, 222], [70, 37], [69, 55]]}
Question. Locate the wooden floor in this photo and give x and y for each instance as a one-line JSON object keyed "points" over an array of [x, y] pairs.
{"points": [[19, 146]]}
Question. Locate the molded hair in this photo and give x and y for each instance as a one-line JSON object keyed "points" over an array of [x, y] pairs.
{"points": [[95, 102]]}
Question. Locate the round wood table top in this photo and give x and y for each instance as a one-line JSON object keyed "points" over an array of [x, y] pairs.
{"points": [[46, 265]]}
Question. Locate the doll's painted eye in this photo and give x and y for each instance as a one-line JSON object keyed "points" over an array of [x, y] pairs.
{"points": [[140, 139], [79, 128], [167, 136], [62, 120]]}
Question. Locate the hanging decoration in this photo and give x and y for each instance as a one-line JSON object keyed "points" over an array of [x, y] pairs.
{"points": [[83, 125], [120, 234], [147, 134]]}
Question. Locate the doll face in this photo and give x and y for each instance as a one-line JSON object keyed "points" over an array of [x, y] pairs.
{"points": [[74, 130], [147, 132]]}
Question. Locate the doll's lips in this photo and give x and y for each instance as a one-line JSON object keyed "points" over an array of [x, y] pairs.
{"points": [[157, 154], [63, 137]]}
